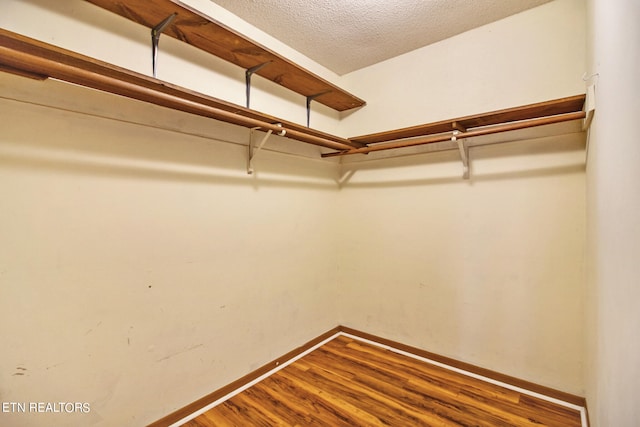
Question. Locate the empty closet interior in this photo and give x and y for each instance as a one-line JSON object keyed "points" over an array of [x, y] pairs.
{"points": [[185, 199]]}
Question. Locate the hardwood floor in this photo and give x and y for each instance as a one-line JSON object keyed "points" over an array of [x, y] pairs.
{"points": [[348, 382]]}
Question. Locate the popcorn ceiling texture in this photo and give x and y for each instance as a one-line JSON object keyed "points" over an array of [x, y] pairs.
{"points": [[345, 36]]}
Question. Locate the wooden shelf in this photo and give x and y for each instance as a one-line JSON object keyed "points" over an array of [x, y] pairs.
{"points": [[526, 116], [28, 57], [532, 111], [201, 31]]}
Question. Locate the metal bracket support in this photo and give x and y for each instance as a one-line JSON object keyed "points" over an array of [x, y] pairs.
{"points": [[589, 106], [254, 150], [155, 39], [247, 77], [309, 99], [464, 153], [589, 109]]}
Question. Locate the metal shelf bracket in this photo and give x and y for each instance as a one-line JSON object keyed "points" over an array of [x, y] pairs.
{"points": [[255, 149], [247, 77], [309, 99], [155, 39], [463, 148]]}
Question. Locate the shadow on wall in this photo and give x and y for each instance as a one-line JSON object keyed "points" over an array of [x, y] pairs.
{"points": [[124, 169], [117, 137], [533, 173], [533, 158], [67, 142], [70, 143]]}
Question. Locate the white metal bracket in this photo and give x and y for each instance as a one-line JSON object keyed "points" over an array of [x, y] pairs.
{"points": [[589, 106], [464, 153], [589, 110], [345, 176], [255, 149]]}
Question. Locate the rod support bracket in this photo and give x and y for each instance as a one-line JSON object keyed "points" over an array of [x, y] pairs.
{"points": [[589, 106], [255, 149], [463, 148], [281, 132]]}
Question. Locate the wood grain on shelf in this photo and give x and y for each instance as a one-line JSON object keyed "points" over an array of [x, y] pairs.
{"points": [[554, 107], [203, 32], [31, 57]]}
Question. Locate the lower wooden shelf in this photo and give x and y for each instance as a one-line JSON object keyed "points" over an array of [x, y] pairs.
{"points": [[523, 117]]}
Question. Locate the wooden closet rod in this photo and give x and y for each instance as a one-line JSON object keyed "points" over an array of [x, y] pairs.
{"points": [[35, 58], [461, 135]]}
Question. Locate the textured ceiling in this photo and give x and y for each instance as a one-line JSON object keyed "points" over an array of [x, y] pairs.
{"points": [[346, 35]]}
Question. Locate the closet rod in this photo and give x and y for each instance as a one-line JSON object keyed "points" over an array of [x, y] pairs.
{"points": [[34, 57], [461, 135]]}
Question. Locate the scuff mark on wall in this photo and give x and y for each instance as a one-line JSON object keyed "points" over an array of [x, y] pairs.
{"points": [[179, 352], [54, 366], [21, 371], [91, 329]]}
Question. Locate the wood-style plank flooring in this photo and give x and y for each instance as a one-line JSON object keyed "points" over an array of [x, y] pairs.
{"points": [[349, 382]]}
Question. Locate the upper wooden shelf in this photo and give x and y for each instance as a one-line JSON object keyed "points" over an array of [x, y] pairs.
{"points": [[196, 29], [33, 58]]}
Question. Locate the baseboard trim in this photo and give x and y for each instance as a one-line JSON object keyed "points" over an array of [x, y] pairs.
{"points": [[238, 385], [210, 398], [516, 382]]}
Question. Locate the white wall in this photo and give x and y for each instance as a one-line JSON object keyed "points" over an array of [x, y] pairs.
{"points": [[613, 371], [529, 57], [488, 271], [141, 269]]}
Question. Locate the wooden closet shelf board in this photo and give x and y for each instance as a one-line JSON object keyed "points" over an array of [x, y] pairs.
{"points": [[35, 59], [469, 133], [201, 31], [555, 107], [26, 56]]}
